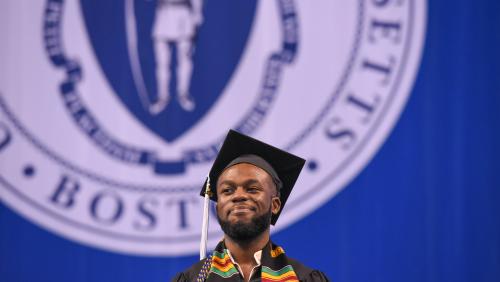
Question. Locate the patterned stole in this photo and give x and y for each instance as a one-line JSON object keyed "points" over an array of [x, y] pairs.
{"points": [[275, 266]]}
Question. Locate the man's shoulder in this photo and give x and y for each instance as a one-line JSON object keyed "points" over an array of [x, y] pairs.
{"points": [[305, 273], [191, 273], [299, 266]]}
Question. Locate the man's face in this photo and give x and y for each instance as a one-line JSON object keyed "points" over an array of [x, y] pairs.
{"points": [[246, 199]]}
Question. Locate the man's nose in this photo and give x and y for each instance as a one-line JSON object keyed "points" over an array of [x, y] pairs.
{"points": [[240, 195]]}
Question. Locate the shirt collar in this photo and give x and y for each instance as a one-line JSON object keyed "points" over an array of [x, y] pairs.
{"points": [[257, 256]]}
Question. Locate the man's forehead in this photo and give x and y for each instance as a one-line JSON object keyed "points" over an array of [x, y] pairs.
{"points": [[244, 170]]}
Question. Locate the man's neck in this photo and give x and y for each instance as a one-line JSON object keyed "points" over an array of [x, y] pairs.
{"points": [[243, 251]]}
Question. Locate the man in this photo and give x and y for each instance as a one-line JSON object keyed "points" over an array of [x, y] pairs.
{"points": [[252, 181]]}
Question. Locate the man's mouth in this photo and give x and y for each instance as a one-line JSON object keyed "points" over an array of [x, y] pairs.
{"points": [[241, 210]]}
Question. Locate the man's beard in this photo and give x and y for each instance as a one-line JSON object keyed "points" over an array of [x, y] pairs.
{"points": [[245, 232]]}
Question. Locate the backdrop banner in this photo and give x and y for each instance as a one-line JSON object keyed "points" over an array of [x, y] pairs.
{"points": [[112, 112]]}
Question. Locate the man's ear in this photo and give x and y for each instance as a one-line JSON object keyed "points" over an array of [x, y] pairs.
{"points": [[275, 204]]}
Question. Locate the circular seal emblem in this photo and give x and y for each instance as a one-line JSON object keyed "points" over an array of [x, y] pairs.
{"points": [[112, 114]]}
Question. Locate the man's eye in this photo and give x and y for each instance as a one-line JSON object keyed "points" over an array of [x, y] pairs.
{"points": [[226, 190], [253, 189]]}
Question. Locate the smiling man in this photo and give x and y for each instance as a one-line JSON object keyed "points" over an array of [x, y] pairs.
{"points": [[252, 183]]}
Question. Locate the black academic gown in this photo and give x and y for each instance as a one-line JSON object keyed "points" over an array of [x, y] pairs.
{"points": [[303, 272]]}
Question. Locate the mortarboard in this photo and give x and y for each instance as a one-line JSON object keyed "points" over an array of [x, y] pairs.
{"points": [[283, 167]]}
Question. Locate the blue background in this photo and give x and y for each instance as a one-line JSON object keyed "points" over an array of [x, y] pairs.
{"points": [[427, 208]]}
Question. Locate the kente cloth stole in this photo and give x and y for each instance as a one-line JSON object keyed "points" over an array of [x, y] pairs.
{"points": [[275, 266]]}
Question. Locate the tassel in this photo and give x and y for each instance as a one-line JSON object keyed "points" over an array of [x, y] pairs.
{"points": [[204, 228]]}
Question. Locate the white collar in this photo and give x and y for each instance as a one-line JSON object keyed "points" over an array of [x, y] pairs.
{"points": [[257, 256]]}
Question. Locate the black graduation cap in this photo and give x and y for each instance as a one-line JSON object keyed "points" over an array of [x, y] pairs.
{"points": [[283, 167]]}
